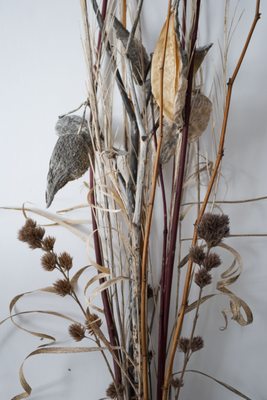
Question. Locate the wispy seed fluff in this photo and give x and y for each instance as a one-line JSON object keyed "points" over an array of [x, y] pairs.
{"points": [[213, 228]]}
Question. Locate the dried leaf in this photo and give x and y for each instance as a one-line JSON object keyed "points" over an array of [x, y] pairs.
{"points": [[173, 71]]}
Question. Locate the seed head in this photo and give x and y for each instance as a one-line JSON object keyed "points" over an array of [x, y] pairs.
{"points": [[211, 261], [65, 261], [62, 287], [202, 278], [213, 228], [48, 243], [197, 343], [114, 391], [184, 344], [48, 261], [177, 383], [77, 332], [31, 234], [197, 254]]}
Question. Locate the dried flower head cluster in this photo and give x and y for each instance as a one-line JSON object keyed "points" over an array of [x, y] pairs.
{"points": [[32, 234], [185, 345], [177, 383], [62, 287], [77, 332], [213, 228], [114, 391]]}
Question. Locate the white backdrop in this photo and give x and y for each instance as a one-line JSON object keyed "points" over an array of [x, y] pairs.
{"points": [[42, 76]]}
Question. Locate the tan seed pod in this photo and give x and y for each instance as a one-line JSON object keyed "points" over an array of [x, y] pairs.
{"points": [[173, 69], [201, 108]]}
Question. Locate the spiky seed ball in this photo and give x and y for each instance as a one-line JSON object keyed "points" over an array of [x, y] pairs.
{"points": [[48, 261], [184, 344], [65, 260], [62, 287], [213, 228], [211, 261], [32, 234], [202, 278], [77, 332], [197, 254], [197, 343], [48, 243]]}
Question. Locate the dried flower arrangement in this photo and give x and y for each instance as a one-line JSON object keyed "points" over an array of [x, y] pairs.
{"points": [[165, 113]]}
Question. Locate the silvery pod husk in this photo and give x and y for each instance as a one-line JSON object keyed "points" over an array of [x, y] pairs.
{"points": [[70, 157]]}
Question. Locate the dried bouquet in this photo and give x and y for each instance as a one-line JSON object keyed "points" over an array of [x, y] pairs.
{"points": [[148, 170]]}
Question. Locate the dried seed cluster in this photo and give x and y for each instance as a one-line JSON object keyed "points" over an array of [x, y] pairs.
{"points": [[185, 345], [113, 391]]}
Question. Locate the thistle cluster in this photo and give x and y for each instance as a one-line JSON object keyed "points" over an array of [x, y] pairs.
{"points": [[34, 236], [213, 228]]}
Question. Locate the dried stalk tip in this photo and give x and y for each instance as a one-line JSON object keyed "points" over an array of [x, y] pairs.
{"points": [[48, 243], [177, 383], [211, 261], [77, 332], [202, 278], [197, 343], [62, 287], [184, 344], [48, 261], [65, 261], [31, 234], [114, 391], [213, 228], [197, 254], [92, 322]]}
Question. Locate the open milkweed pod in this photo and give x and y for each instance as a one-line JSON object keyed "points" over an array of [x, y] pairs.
{"points": [[174, 82]]}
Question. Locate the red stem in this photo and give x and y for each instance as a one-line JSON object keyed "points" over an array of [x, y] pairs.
{"points": [[167, 273]]}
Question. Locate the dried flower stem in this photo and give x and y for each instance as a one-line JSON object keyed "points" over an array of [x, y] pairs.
{"points": [[180, 319], [148, 226], [168, 270]]}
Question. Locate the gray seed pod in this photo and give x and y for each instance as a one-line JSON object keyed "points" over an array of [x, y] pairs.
{"points": [[70, 158], [71, 124], [137, 53], [169, 141]]}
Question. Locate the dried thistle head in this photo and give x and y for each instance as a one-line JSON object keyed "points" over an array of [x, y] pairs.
{"points": [[48, 261], [62, 287], [197, 254], [65, 260], [92, 322], [213, 228], [184, 344], [114, 391], [177, 383], [197, 343], [32, 234], [48, 243], [202, 278], [212, 260], [77, 332]]}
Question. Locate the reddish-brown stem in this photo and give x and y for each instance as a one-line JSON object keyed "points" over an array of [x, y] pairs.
{"points": [[181, 314], [168, 269]]}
